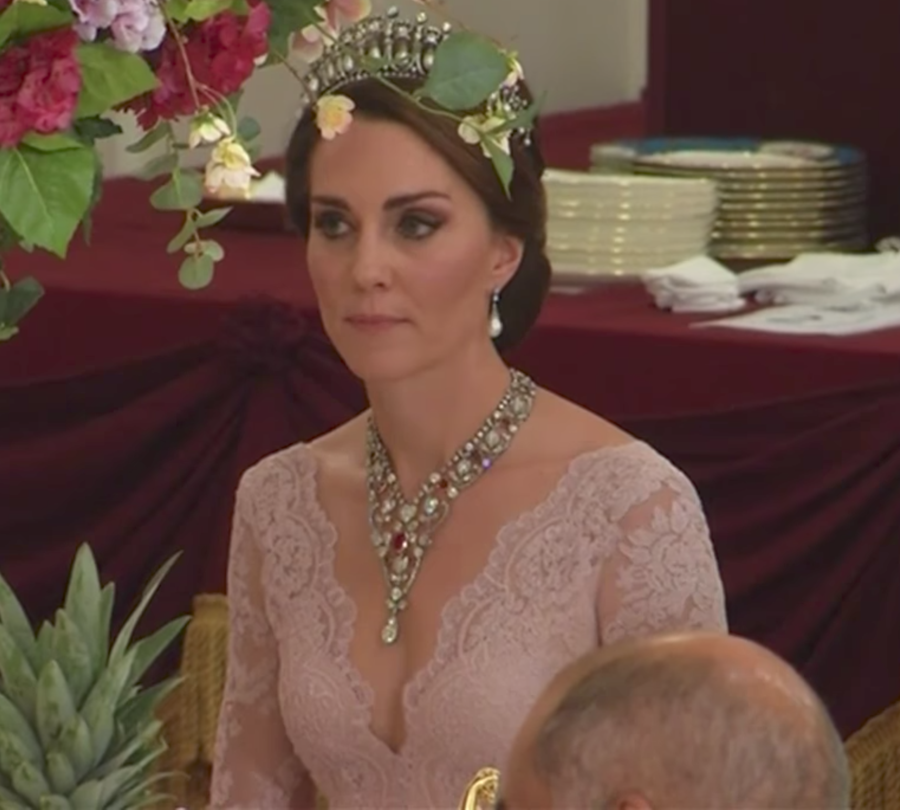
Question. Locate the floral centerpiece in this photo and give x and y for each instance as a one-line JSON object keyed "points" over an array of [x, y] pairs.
{"points": [[66, 65]]}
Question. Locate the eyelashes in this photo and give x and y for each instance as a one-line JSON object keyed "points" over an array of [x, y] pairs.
{"points": [[413, 226]]}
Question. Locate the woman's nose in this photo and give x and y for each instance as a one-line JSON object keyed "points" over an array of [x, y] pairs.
{"points": [[370, 263]]}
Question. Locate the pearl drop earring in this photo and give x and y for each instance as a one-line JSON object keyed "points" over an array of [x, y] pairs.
{"points": [[495, 328]]}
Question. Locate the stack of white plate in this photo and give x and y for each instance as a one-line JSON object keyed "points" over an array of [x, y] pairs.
{"points": [[777, 199], [603, 227]]}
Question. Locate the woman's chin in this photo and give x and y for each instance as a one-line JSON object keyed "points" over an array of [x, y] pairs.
{"points": [[374, 366]]}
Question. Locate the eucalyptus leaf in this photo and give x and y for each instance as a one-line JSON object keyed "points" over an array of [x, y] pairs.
{"points": [[182, 192], [467, 69], [151, 138], [248, 129], [211, 248], [164, 164], [22, 19], [196, 272], [110, 77], [503, 163], [183, 236], [20, 299], [213, 217], [46, 194]]}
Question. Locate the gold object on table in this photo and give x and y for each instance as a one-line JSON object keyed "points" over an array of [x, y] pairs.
{"points": [[481, 794]]}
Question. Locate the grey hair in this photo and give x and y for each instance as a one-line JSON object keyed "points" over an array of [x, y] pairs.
{"points": [[681, 733]]}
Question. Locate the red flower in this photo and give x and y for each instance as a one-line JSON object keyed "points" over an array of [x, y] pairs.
{"points": [[221, 52], [39, 85]]}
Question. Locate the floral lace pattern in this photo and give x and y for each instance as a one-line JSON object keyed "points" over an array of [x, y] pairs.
{"points": [[619, 549]]}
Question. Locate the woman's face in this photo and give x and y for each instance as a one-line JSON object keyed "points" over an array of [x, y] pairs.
{"points": [[402, 253]]}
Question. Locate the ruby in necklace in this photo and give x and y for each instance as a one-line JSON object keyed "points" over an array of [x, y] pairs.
{"points": [[402, 530]]}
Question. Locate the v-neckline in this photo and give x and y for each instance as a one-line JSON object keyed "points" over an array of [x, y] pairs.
{"points": [[417, 684]]}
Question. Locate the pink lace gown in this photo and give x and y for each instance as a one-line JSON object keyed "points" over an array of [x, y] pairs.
{"points": [[620, 548]]}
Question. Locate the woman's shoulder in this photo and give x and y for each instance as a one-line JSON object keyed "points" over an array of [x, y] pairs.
{"points": [[294, 470], [602, 457]]}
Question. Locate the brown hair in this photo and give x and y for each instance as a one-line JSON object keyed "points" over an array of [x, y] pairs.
{"points": [[522, 214]]}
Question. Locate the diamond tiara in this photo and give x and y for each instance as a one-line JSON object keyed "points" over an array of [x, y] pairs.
{"points": [[398, 49]]}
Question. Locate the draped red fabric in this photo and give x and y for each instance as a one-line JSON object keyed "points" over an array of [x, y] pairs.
{"points": [[129, 407]]}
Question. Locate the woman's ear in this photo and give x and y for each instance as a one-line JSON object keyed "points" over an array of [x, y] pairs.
{"points": [[508, 252]]}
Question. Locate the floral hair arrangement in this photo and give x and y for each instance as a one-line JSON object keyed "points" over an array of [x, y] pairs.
{"points": [[66, 65]]}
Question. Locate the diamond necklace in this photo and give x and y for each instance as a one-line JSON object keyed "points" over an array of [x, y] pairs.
{"points": [[403, 530]]}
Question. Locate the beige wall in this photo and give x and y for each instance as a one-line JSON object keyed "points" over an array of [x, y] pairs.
{"points": [[583, 53]]}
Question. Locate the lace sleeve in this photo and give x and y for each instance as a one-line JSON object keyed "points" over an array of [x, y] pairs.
{"points": [[255, 765], [660, 572]]}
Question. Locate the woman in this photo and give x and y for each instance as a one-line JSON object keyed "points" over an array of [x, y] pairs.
{"points": [[404, 587]]}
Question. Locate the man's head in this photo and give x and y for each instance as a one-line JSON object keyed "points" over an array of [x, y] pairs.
{"points": [[685, 721]]}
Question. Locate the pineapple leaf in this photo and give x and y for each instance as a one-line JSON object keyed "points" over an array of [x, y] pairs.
{"points": [[16, 621], [132, 745], [140, 795], [140, 709], [11, 801], [147, 650], [54, 707], [86, 796], [54, 803], [19, 682], [129, 778], [100, 707], [74, 655], [123, 640], [28, 781], [13, 721], [83, 600], [107, 601], [78, 745], [44, 646], [61, 773]]}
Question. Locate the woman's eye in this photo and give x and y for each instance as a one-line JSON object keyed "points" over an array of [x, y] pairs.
{"points": [[416, 226], [331, 225]]}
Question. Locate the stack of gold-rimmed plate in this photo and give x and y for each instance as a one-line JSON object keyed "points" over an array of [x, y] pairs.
{"points": [[603, 227], [777, 199]]}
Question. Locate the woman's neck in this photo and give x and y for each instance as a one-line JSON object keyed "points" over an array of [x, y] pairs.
{"points": [[424, 419]]}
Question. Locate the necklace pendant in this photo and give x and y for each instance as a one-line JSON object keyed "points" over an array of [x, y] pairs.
{"points": [[391, 630]]}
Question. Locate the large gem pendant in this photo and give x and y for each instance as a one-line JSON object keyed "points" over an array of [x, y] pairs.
{"points": [[390, 631]]}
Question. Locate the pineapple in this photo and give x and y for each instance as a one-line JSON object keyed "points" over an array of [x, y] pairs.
{"points": [[77, 731]]}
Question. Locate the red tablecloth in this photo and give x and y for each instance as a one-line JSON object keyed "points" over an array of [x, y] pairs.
{"points": [[128, 408]]}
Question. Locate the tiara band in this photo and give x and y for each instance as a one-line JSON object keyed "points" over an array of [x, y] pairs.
{"points": [[393, 48]]}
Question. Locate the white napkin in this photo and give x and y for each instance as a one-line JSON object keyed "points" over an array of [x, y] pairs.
{"points": [[804, 319], [826, 279], [699, 284]]}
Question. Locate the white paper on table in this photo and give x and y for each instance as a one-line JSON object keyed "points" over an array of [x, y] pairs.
{"points": [[803, 319]]}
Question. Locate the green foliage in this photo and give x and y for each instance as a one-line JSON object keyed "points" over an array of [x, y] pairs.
{"points": [[22, 19], [467, 69], [16, 302], [198, 10], [182, 192], [77, 731], [47, 190], [110, 77], [196, 271], [288, 17]]}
